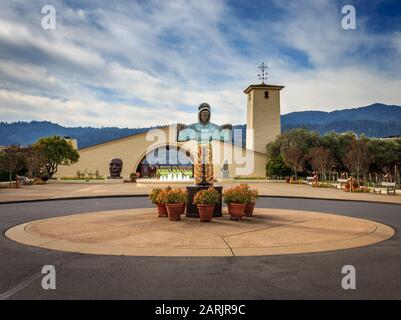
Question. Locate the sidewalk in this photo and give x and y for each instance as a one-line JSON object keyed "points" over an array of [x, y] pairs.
{"points": [[56, 191]]}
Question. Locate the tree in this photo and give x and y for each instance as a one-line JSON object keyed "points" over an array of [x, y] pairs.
{"points": [[295, 148], [358, 158], [273, 149], [384, 154], [35, 159], [321, 159], [57, 151], [338, 144], [294, 158], [276, 167], [11, 161]]}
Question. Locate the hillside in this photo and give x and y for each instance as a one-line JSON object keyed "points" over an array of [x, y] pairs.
{"points": [[377, 112], [377, 120], [25, 133]]}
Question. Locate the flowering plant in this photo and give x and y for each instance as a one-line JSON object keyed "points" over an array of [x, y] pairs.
{"points": [[252, 194], [176, 196], [236, 194], [208, 196], [153, 196]]}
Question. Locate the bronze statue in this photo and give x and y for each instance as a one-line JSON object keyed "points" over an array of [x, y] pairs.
{"points": [[204, 132], [115, 168]]}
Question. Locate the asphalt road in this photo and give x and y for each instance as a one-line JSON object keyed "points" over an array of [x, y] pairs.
{"points": [[302, 276]]}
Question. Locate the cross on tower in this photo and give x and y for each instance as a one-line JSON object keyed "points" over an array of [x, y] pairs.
{"points": [[263, 72]]}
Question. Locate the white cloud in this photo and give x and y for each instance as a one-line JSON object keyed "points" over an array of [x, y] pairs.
{"points": [[333, 89], [147, 63]]}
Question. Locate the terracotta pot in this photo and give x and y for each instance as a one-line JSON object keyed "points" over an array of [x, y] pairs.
{"points": [[161, 210], [236, 210], [174, 211], [205, 212], [249, 210], [184, 205]]}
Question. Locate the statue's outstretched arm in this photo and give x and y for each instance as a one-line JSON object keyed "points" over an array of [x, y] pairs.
{"points": [[185, 133], [181, 126]]}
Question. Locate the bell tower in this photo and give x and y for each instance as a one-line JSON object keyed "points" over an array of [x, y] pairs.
{"points": [[263, 113]]}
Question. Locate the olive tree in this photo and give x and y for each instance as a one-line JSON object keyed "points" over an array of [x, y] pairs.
{"points": [[12, 160], [321, 160], [295, 148], [57, 151], [358, 158]]}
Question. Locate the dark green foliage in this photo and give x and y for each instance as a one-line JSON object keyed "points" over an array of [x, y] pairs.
{"points": [[276, 168], [357, 155], [57, 151]]}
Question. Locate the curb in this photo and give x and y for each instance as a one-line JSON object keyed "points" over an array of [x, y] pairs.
{"points": [[145, 195], [75, 198], [330, 199]]}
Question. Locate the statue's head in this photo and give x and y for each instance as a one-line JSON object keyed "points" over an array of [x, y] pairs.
{"points": [[204, 113], [115, 167]]}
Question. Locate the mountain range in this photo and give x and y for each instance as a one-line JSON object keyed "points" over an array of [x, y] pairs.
{"points": [[376, 120]]}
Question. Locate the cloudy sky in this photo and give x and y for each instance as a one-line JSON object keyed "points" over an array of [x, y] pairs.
{"points": [[141, 63]]}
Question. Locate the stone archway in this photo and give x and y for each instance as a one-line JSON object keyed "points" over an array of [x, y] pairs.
{"points": [[165, 157]]}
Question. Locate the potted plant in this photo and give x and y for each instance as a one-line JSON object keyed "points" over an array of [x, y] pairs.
{"points": [[175, 203], [236, 199], [252, 196], [205, 201], [158, 197]]}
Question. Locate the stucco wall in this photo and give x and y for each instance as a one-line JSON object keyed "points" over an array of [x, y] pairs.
{"points": [[132, 150], [263, 116]]}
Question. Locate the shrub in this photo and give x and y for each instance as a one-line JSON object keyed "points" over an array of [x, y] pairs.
{"points": [[208, 196], [321, 185], [153, 196], [296, 181], [176, 196], [252, 194], [98, 176], [38, 181], [162, 196], [362, 190], [249, 178], [276, 168], [80, 175], [236, 195]]}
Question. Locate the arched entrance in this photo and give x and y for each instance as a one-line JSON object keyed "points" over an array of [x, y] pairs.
{"points": [[165, 160]]}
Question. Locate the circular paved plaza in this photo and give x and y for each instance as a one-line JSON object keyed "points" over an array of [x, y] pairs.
{"points": [[138, 232], [291, 249]]}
